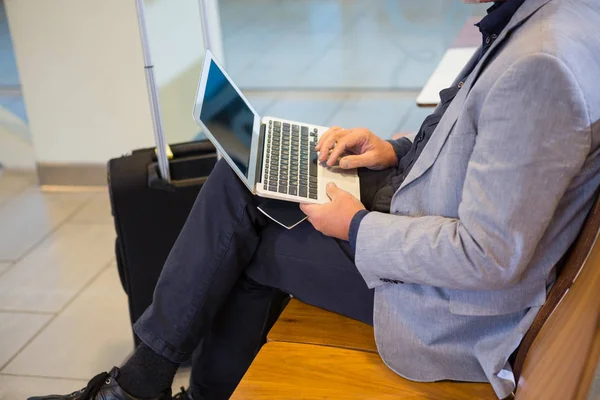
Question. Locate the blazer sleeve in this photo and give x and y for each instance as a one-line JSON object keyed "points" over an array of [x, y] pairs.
{"points": [[534, 134]]}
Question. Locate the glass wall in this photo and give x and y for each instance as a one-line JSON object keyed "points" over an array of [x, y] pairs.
{"points": [[15, 139], [328, 62], [177, 49], [340, 62]]}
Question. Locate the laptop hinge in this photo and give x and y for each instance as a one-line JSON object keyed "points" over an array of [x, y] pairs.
{"points": [[259, 155]]}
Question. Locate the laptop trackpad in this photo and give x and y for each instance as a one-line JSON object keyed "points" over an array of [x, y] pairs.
{"points": [[346, 179]]}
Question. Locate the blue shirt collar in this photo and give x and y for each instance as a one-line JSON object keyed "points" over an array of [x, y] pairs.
{"points": [[498, 17]]}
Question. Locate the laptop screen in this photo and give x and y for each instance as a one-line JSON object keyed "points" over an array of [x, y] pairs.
{"points": [[227, 118]]}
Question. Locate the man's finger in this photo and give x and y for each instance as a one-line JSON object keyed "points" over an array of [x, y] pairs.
{"points": [[325, 135], [309, 209], [345, 143], [327, 144], [330, 142], [333, 156], [332, 190], [361, 160]]}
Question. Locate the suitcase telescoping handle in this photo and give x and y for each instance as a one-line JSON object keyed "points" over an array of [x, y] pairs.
{"points": [[191, 164], [156, 182], [159, 133]]}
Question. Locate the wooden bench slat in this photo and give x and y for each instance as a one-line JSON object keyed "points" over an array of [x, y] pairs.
{"points": [[303, 371], [562, 359], [303, 323]]}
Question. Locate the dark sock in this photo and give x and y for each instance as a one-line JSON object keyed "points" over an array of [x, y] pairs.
{"points": [[147, 374]]}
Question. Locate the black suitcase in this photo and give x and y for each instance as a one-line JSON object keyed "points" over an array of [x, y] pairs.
{"points": [[149, 212]]}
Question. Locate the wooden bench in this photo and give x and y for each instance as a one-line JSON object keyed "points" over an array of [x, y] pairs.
{"points": [[302, 323], [314, 354], [304, 371]]}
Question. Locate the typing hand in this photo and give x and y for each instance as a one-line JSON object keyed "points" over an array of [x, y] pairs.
{"points": [[366, 149], [333, 218]]}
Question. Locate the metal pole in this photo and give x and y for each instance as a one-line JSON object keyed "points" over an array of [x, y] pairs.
{"points": [[211, 28], [211, 33], [159, 134], [204, 21]]}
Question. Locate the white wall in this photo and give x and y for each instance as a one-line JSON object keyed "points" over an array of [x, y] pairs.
{"points": [[81, 69]]}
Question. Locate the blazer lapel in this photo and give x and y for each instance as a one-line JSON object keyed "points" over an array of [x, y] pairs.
{"points": [[437, 140]]}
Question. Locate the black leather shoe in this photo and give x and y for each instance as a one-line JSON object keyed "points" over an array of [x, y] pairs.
{"points": [[183, 395], [103, 386]]}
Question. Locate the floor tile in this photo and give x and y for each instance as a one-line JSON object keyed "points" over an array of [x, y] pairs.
{"points": [[261, 101], [357, 44], [182, 379], [22, 387], [414, 118], [240, 15], [356, 61], [311, 109], [595, 389], [258, 58], [96, 211], [11, 184], [15, 330], [57, 269], [265, 76], [3, 267], [281, 66], [381, 113], [91, 335], [27, 218], [244, 48], [307, 17]]}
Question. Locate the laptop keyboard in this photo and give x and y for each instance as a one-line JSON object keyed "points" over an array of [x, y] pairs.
{"points": [[291, 160]]}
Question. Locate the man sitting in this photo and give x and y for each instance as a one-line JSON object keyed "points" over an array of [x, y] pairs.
{"points": [[449, 255]]}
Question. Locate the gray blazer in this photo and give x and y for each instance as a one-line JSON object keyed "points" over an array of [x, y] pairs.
{"points": [[495, 199]]}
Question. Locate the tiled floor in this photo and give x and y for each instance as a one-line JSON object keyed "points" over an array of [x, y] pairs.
{"points": [[58, 287], [63, 312]]}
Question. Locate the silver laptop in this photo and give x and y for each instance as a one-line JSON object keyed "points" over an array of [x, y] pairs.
{"points": [[275, 158]]}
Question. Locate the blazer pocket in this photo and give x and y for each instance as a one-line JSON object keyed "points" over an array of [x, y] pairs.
{"points": [[497, 302]]}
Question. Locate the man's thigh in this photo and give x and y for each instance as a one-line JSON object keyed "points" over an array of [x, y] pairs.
{"points": [[318, 269], [314, 268]]}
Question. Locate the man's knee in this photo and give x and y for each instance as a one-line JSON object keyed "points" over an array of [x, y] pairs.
{"points": [[221, 178], [223, 171]]}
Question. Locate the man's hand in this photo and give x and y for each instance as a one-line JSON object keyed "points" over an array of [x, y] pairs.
{"points": [[334, 218], [367, 149]]}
